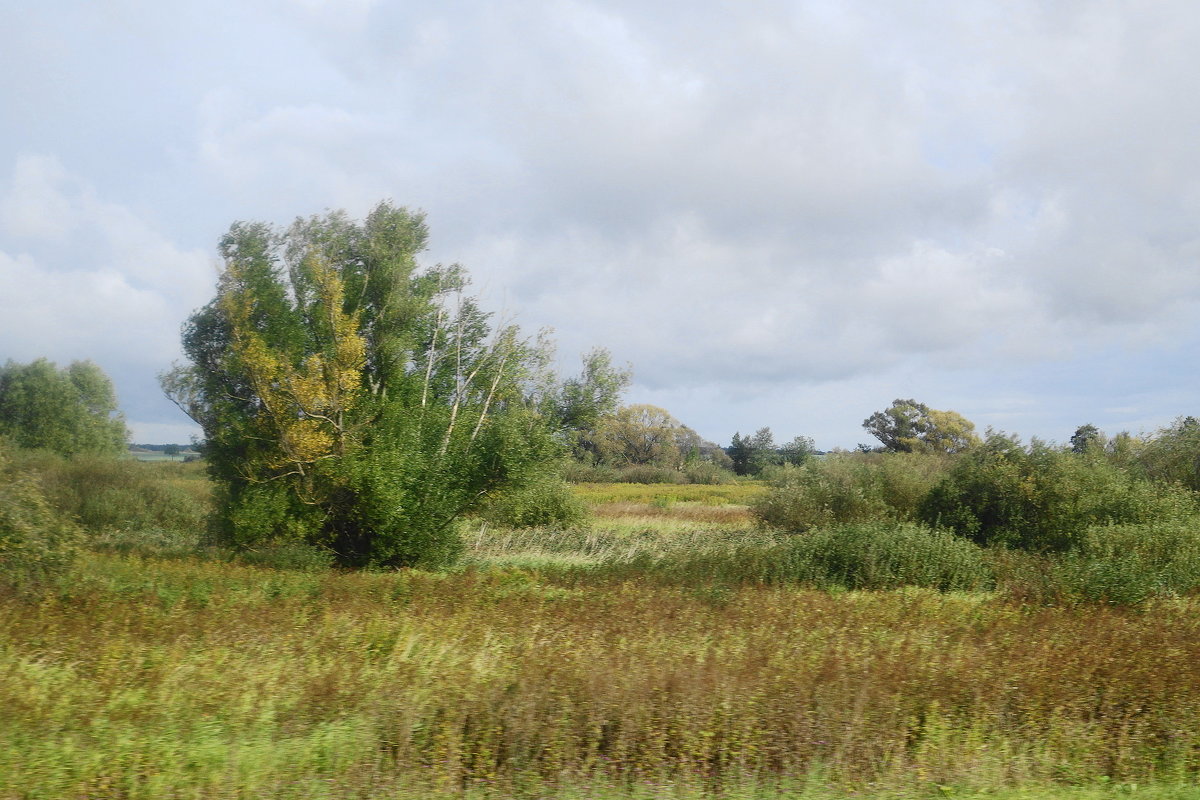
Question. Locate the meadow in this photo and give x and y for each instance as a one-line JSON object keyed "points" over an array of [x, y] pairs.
{"points": [[612, 660]]}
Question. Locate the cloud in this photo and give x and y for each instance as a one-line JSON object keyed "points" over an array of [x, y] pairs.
{"points": [[91, 280], [750, 202]]}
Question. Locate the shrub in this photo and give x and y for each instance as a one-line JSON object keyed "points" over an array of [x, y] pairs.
{"points": [[295, 556], [848, 487], [648, 473], [150, 543], [36, 541], [580, 472], [882, 555], [1043, 499], [873, 555], [1129, 564], [105, 494], [706, 472], [1173, 454], [546, 503]]}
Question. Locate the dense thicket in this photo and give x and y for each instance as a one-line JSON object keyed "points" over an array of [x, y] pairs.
{"points": [[1044, 498], [36, 539]]}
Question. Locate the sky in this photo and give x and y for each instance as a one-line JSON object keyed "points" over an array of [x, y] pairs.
{"points": [[782, 214]]}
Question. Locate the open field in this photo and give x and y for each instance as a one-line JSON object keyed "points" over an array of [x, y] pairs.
{"points": [[739, 493], [580, 664], [146, 678]]}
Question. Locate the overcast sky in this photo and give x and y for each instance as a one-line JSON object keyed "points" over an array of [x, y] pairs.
{"points": [[780, 213]]}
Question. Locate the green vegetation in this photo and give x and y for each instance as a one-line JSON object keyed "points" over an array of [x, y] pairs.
{"points": [[351, 401], [1042, 498], [556, 595], [144, 678], [37, 541], [67, 411], [849, 487], [665, 648]]}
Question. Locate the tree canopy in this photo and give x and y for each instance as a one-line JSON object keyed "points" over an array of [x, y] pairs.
{"points": [[907, 426], [582, 403], [352, 400], [644, 434], [69, 411]]}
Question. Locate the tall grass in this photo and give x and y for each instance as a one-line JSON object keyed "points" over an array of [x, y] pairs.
{"points": [[740, 493], [110, 494], [141, 679]]}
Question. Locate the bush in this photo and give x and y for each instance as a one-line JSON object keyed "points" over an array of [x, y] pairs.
{"points": [[295, 556], [546, 503], [105, 494], [648, 473], [700, 472], [36, 541], [848, 487], [1043, 499], [874, 555], [151, 543], [707, 473], [1129, 564], [580, 472]]}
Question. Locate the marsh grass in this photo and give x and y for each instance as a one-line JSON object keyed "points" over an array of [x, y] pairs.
{"points": [[726, 514], [741, 493], [140, 678], [651, 655]]}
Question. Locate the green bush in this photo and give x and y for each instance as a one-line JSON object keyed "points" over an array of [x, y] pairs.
{"points": [[848, 487], [294, 556], [151, 543], [1129, 564], [882, 555], [699, 472], [105, 494], [1173, 455], [707, 473], [573, 471], [545, 503], [873, 555], [1043, 499], [648, 473], [36, 541]]}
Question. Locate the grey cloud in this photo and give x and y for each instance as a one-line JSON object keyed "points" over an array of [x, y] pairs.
{"points": [[783, 196]]}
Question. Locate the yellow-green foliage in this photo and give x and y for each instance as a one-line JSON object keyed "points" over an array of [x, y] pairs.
{"points": [[142, 679], [36, 540], [740, 493], [107, 494]]}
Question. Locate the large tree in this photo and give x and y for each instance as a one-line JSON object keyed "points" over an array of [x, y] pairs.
{"points": [[644, 434], [70, 411], [583, 402], [751, 454], [907, 426], [351, 399]]}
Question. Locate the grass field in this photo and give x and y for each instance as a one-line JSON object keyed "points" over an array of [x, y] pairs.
{"points": [[549, 667]]}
